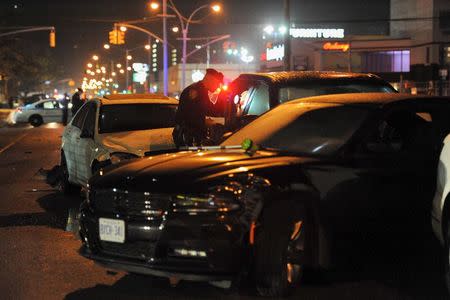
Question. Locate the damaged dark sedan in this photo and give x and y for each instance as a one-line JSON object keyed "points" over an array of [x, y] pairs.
{"points": [[312, 177]]}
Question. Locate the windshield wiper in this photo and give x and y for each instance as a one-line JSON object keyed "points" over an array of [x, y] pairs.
{"points": [[197, 148]]}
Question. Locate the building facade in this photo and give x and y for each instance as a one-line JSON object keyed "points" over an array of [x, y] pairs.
{"points": [[415, 55]]}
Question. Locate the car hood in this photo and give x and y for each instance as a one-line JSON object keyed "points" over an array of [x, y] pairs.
{"points": [[187, 168], [138, 142]]}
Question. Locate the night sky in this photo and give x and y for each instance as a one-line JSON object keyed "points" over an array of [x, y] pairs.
{"points": [[82, 25]]}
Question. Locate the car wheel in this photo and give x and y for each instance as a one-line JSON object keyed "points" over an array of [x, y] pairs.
{"points": [[36, 121], [279, 252], [64, 185]]}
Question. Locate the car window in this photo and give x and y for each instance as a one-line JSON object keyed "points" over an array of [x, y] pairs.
{"points": [[49, 105], [405, 131], [128, 117], [89, 121], [259, 100], [303, 128], [78, 119]]}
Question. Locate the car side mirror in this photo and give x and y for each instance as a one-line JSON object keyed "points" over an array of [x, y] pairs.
{"points": [[85, 134]]}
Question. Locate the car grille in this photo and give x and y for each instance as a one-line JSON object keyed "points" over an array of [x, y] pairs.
{"points": [[130, 203], [142, 250]]}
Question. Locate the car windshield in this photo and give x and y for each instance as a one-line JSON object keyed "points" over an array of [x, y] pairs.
{"points": [[311, 128], [291, 92], [130, 117]]}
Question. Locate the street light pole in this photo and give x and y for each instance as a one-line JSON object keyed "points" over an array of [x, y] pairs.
{"points": [[127, 72], [183, 66], [165, 50]]}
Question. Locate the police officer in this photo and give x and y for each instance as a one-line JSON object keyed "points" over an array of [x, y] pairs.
{"points": [[77, 101], [194, 106]]}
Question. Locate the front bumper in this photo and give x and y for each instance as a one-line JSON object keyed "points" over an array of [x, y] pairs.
{"points": [[150, 249]]}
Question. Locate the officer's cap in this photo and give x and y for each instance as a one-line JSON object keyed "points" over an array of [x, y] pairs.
{"points": [[214, 73]]}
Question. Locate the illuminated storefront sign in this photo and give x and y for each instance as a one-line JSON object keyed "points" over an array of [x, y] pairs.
{"points": [[275, 53], [317, 33], [336, 46], [140, 72]]}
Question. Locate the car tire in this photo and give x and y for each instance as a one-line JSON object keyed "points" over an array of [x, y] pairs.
{"points": [[279, 247], [36, 120], [64, 185]]}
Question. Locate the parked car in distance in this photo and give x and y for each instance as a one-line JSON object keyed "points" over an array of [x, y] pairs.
{"points": [[111, 129], [318, 183], [38, 113], [252, 94]]}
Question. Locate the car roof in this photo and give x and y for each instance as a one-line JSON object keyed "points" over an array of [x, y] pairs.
{"points": [[301, 76], [370, 99], [137, 98]]}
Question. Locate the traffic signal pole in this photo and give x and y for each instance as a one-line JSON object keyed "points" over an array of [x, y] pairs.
{"points": [[32, 29]]}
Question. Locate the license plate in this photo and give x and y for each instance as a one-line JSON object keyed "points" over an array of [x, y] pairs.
{"points": [[111, 230]]}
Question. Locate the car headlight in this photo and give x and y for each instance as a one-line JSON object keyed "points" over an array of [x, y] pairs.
{"points": [[118, 157], [203, 204]]}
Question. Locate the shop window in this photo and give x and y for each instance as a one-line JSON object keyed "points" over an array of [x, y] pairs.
{"points": [[444, 21], [386, 61]]}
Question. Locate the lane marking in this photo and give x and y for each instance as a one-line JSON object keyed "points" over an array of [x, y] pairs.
{"points": [[13, 142]]}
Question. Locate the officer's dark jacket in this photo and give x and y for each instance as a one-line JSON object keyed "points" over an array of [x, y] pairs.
{"points": [[194, 106]]}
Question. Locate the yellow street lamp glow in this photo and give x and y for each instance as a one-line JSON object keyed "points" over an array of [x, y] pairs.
{"points": [[147, 47], [98, 71], [106, 46], [122, 71], [154, 5], [123, 28], [113, 74], [89, 65], [216, 8], [129, 57], [95, 57], [119, 66], [175, 29], [129, 68]]}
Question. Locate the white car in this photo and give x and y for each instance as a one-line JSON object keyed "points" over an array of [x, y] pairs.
{"points": [[38, 113], [112, 129], [440, 212]]}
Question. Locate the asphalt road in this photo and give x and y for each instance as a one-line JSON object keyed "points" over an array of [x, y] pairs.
{"points": [[39, 260]]}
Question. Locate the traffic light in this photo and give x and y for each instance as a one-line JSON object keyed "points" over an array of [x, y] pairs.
{"points": [[116, 37], [120, 37], [52, 39], [113, 37]]}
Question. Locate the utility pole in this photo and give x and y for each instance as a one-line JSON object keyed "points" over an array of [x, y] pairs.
{"points": [[127, 72], [208, 53], [150, 51], [165, 50], [287, 37]]}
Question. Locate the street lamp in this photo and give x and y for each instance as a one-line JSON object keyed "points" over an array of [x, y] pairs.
{"points": [[95, 57], [123, 28], [154, 5], [89, 65], [184, 22], [129, 57], [106, 46]]}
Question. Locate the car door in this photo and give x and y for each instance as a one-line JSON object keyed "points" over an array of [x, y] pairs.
{"points": [[71, 146], [51, 111], [397, 162], [86, 144]]}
